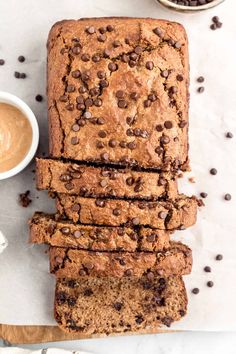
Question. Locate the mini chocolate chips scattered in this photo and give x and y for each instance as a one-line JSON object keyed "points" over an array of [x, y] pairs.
{"points": [[201, 89], [227, 197], [213, 171], [203, 194], [21, 58], [39, 98], [207, 269], [200, 79], [210, 284], [229, 135], [195, 291], [216, 23], [219, 257], [2, 61]]}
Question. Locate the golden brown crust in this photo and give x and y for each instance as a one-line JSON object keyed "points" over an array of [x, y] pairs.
{"points": [[45, 229], [163, 215], [71, 263], [115, 306], [88, 181], [168, 52]]}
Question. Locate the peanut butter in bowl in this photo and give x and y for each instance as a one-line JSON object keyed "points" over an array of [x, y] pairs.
{"points": [[15, 136], [19, 135]]}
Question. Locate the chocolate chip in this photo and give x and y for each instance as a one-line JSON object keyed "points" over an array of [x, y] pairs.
{"points": [[39, 98], [128, 272], [130, 181], [139, 319], [116, 44], [132, 145], [210, 284], [69, 186], [91, 29], [102, 134], [21, 58], [165, 139], [116, 212], [82, 89], [158, 32], [110, 28], [200, 79], [165, 73], [112, 67], [159, 128], [207, 269], [118, 306], [201, 89], [112, 143], [167, 321], [85, 57], [101, 74], [177, 45], [97, 102], [71, 283], [65, 230], [124, 58], [2, 61], [158, 150], [195, 291], [152, 97], [134, 96], [182, 124], [75, 207], [213, 171], [203, 194], [229, 135], [213, 26], [129, 132], [85, 76], [168, 124], [87, 115], [70, 88], [215, 19], [227, 197], [179, 77], [122, 104], [133, 56], [162, 215], [102, 30], [173, 90], [105, 156], [149, 65], [100, 145], [74, 140], [24, 199], [96, 58], [76, 50], [101, 37], [219, 257], [147, 103], [82, 272], [120, 94], [61, 298], [71, 301], [17, 74]]}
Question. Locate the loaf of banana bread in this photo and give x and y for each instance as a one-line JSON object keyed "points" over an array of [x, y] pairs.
{"points": [[103, 306], [118, 92], [72, 263]]}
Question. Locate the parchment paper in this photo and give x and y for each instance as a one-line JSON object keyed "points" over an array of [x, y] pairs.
{"points": [[26, 288]]}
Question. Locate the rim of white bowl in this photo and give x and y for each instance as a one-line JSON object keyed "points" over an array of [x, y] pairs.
{"points": [[15, 101], [190, 8]]}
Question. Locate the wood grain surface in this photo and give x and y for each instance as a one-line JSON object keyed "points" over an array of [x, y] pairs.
{"points": [[43, 334]]}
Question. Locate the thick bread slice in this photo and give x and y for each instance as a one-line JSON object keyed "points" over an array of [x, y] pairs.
{"points": [[166, 215], [71, 263], [45, 229], [109, 305], [88, 181]]}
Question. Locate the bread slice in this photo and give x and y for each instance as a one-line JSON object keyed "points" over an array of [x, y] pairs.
{"points": [[45, 229], [166, 215], [102, 306], [69, 263], [88, 181]]}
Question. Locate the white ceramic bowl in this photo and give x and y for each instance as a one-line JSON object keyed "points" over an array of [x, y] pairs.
{"points": [[13, 100], [182, 8]]}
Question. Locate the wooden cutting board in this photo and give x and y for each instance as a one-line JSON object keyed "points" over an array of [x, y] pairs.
{"points": [[43, 334]]}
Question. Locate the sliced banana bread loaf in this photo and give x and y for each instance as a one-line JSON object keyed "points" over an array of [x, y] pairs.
{"points": [[87, 181], [109, 305], [69, 263], [45, 229], [170, 215]]}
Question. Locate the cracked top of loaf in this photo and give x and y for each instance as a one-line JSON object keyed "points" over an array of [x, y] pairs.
{"points": [[118, 92]]}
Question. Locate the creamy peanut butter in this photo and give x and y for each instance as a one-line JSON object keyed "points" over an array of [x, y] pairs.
{"points": [[15, 136]]}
